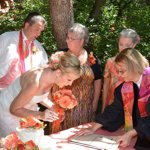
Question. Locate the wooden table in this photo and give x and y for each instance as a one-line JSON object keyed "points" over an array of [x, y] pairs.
{"points": [[62, 139]]}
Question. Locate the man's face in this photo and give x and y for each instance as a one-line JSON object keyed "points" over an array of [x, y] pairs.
{"points": [[33, 31]]}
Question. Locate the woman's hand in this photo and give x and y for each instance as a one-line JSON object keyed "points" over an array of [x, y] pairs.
{"points": [[49, 115], [85, 131], [89, 130], [125, 139]]}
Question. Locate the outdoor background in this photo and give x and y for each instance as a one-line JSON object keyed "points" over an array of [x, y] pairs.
{"points": [[104, 19]]}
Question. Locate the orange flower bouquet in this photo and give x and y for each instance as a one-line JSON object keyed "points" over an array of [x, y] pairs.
{"points": [[30, 129], [63, 100], [31, 122], [12, 142]]}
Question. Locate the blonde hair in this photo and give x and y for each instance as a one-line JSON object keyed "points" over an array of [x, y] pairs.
{"points": [[66, 62], [135, 61]]}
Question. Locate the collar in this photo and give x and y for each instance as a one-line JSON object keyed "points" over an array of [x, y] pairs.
{"points": [[139, 82], [24, 37]]}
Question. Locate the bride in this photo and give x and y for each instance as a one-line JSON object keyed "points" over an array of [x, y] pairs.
{"points": [[21, 97]]}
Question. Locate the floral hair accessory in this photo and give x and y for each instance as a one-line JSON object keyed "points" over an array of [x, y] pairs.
{"points": [[63, 100], [31, 122], [91, 58], [12, 142], [54, 59]]}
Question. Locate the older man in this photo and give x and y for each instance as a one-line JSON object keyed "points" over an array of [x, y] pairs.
{"points": [[20, 51]]}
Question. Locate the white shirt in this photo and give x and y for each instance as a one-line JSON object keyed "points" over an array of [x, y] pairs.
{"points": [[9, 57], [139, 82]]}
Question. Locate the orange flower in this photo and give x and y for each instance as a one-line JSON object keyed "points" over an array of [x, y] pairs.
{"points": [[23, 123], [63, 99], [34, 49], [12, 142], [30, 145], [31, 122], [20, 147]]}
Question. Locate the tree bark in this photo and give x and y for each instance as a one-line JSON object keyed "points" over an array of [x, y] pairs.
{"points": [[62, 18], [96, 9]]}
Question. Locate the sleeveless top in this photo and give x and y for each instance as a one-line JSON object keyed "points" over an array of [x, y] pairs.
{"points": [[9, 122]]}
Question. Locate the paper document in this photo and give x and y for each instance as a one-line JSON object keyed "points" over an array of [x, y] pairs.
{"points": [[96, 141]]}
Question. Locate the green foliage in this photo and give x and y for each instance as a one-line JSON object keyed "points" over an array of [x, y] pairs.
{"points": [[15, 18], [114, 16], [140, 21]]}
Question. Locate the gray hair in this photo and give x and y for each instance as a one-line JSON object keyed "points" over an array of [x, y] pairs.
{"points": [[80, 31], [34, 17], [130, 33]]}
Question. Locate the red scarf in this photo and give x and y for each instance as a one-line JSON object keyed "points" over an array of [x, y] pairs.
{"points": [[23, 53], [128, 98], [144, 93]]}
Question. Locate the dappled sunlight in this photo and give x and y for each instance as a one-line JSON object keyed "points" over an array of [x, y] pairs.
{"points": [[63, 139]]}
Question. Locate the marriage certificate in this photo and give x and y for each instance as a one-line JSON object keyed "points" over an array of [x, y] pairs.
{"points": [[96, 141]]}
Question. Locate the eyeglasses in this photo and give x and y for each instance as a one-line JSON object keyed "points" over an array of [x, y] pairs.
{"points": [[71, 38], [121, 71]]}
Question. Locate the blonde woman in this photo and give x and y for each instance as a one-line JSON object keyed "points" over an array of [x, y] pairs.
{"points": [[131, 106], [21, 97]]}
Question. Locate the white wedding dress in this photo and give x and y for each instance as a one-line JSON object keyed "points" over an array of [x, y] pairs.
{"points": [[9, 122]]}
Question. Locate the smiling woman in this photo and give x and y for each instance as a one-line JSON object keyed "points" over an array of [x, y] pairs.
{"points": [[130, 108], [21, 97], [127, 64]]}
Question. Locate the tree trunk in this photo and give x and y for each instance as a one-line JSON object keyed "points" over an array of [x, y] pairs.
{"points": [[96, 9], [61, 12]]}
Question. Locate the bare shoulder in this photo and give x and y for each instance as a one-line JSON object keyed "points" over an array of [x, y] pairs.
{"points": [[31, 78]]}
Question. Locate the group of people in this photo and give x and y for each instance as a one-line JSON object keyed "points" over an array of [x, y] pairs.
{"points": [[28, 78], [128, 39]]}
